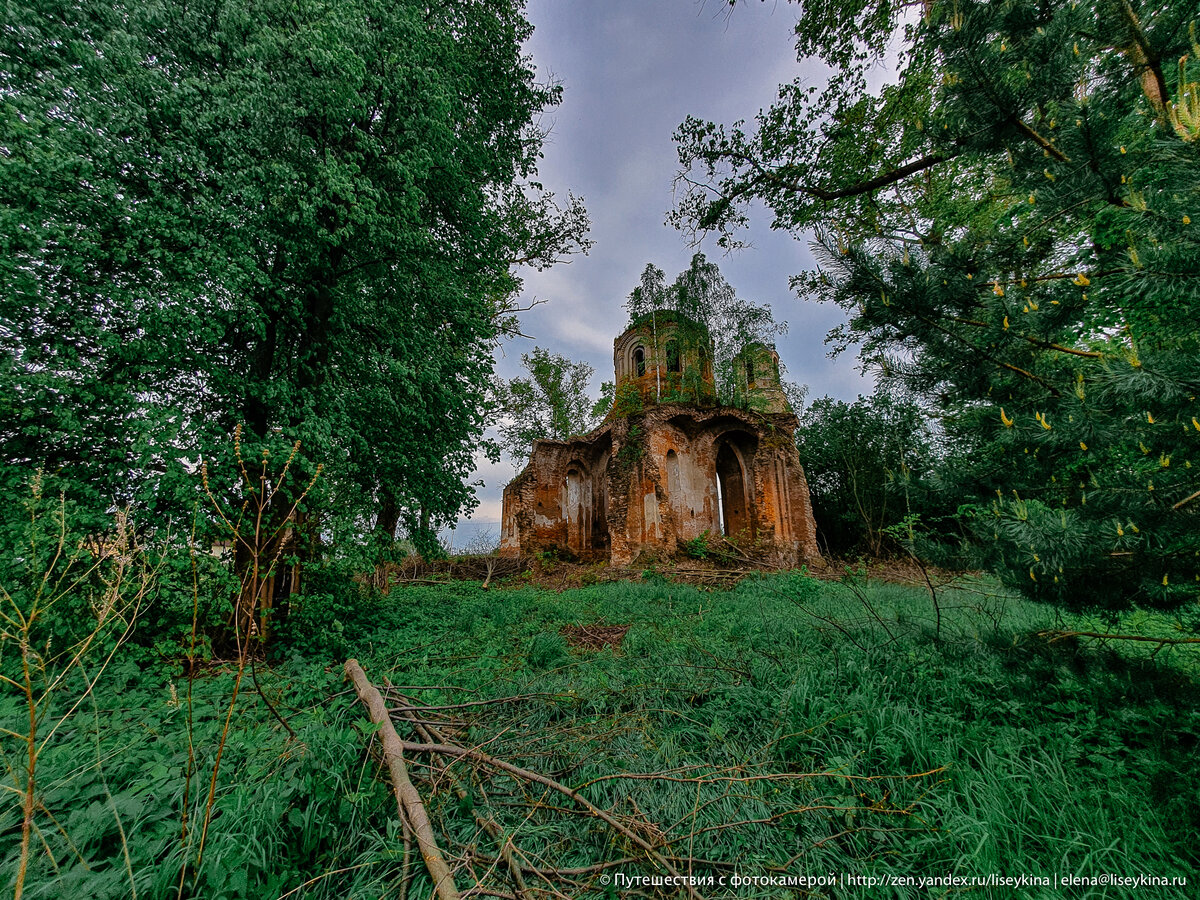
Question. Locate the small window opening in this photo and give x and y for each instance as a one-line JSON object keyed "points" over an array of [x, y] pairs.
{"points": [[672, 356], [639, 362], [750, 373]]}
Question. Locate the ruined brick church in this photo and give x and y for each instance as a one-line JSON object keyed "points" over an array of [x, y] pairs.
{"points": [[670, 463]]}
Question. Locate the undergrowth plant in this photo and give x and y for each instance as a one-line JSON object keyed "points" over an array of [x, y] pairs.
{"points": [[258, 529], [70, 603], [788, 725]]}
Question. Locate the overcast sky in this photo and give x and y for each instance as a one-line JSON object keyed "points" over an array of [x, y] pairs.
{"points": [[631, 71]]}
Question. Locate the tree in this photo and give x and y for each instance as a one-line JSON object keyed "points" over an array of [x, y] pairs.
{"points": [[301, 217], [1009, 227], [551, 403], [860, 460], [710, 310]]}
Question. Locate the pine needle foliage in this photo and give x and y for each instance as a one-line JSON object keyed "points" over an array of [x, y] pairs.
{"points": [[1010, 229]]}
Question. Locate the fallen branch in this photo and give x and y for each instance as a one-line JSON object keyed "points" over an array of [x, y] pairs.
{"points": [[408, 800], [409, 707], [538, 778], [430, 733], [750, 559], [1053, 636]]}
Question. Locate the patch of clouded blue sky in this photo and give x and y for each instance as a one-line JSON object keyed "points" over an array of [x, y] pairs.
{"points": [[632, 70]]}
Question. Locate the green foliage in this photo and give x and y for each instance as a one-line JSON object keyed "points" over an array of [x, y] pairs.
{"points": [[1041, 756], [323, 622], [627, 401], [302, 217], [606, 401], [715, 547], [547, 650], [64, 587], [551, 403], [864, 462], [1009, 227], [697, 547], [707, 312], [116, 785], [632, 448]]}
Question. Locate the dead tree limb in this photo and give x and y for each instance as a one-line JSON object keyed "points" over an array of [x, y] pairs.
{"points": [[538, 778], [1052, 636], [408, 800], [430, 733], [750, 559]]}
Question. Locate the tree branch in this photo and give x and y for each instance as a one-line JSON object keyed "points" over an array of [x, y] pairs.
{"points": [[778, 178], [407, 798], [537, 778], [1039, 140]]}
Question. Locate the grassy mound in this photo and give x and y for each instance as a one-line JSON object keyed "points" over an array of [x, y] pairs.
{"points": [[783, 727]]}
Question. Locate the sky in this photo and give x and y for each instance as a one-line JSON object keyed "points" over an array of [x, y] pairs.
{"points": [[632, 71]]}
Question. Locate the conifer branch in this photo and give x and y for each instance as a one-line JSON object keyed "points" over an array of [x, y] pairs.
{"points": [[779, 179], [1039, 140], [1038, 342], [1053, 636], [1186, 500], [1146, 63], [1054, 392]]}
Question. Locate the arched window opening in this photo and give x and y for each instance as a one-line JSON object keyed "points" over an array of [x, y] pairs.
{"points": [[731, 494], [749, 373], [639, 361], [672, 356]]}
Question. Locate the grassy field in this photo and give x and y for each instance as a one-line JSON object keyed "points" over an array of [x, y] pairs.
{"points": [[786, 727]]}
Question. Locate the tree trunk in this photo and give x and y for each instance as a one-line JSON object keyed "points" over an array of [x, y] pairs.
{"points": [[387, 521]]}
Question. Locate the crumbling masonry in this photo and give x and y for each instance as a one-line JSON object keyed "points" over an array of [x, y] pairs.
{"points": [[669, 464]]}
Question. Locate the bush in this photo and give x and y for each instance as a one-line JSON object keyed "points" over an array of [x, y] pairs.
{"points": [[328, 619]]}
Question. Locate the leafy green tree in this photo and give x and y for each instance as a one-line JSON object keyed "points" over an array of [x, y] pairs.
{"points": [[552, 402], [1009, 227], [861, 460], [710, 310], [304, 217]]}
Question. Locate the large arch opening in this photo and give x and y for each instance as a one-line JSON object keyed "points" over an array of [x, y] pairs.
{"points": [[600, 536], [579, 509], [733, 498]]}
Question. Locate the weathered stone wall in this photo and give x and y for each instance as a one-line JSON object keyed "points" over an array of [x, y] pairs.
{"points": [[677, 468], [646, 483], [559, 501], [666, 356]]}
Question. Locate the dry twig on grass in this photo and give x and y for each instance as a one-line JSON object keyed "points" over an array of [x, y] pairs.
{"points": [[431, 734], [538, 778]]}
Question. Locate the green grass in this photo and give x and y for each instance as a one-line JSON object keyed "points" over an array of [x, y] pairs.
{"points": [[1041, 758]]}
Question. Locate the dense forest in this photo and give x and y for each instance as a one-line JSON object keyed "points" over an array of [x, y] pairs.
{"points": [[256, 259]]}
